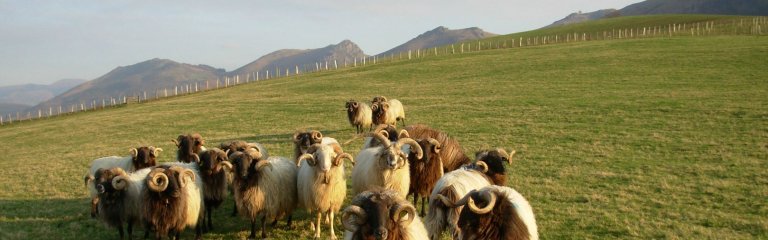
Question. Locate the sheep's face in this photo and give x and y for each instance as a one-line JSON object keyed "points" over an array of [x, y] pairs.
{"points": [[494, 159], [188, 146], [103, 182], [392, 158], [382, 216], [144, 157], [302, 140], [242, 164], [210, 161], [470, 222], [352, 107]]}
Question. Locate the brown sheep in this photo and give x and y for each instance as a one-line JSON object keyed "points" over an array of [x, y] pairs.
{"points": [[188, 147], [425, 171], [450, 150]]}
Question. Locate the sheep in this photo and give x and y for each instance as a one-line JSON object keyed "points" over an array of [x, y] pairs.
{"points": [[139, 158], [494, 160], [189, 146], [453, 185], [321, 184], [450, 150], [495, 212], [424, 172], [389, 132], [120, 197], [173, 200], [359, 115], [382, 214], [214, 168], [302, 140], [269, 193], [384, 166], [243, 146], [388, 112]]}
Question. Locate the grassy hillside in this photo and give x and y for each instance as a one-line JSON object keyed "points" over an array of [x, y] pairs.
{"points": [[650, 138]]}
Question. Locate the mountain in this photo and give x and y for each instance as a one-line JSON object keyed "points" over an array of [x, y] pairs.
{"points": [[717, 7], [578, 17], [650, 7], [438, 37], [290, 58], [18, 98], [151, 75]]}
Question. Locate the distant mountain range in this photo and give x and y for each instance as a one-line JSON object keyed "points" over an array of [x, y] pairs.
{"points": [[438, 37], [18, 98], [132, 80], [290, 58], [650, 7]]}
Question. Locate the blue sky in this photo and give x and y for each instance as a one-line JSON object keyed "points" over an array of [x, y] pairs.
{"points": [[44, 41]]}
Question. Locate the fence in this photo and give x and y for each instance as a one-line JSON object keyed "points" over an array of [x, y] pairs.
{"points": [[737, 26]]}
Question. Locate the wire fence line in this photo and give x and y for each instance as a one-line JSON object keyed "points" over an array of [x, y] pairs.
{"points": [[738, 26]]}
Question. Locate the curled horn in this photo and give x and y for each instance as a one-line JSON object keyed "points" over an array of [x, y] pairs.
{"points": [[489, 196], [254, 153], [307, 157], [414, 146], [120, 182], [155, 151], [186, 172], [379, 136], [410, 210], [504, 154], [403, 134], [435, 143], [481, 166], [317, 136], [157, 181], [337, 160], [197, 157], [88, 178], [176, 141], [360, 217], [262, 164], [134, 152], [355, 104], [226, 164], [296, 136]]}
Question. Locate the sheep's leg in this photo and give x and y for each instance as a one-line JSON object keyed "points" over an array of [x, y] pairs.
{"points": [[253, 230], [333, 233], [130, 230], [423, 200], [147, 228], [234, 209], [264, 227], [94, 207], [198, 231], [290, 221], [120, 230], [318, 218], [209, 212]]}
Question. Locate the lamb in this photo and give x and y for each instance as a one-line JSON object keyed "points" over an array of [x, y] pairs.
{"points": [[189, 146], [382, 214], [450, 150], [388, 112], [452, 185], [359, 115], [214, 168], [321, 184], [139, 158], [173, 200], [120, 195], [264, 188], [425, 172], [384, 166], [495, 212]]}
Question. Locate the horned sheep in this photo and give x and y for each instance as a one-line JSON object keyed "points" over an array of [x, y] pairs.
{"points": [[382, 214], [359, 115], [425, 171], [388, 112], [189, 146], [120, 197], [173, 200], [214, 170], [384, 166], [139, 158], [495, 212], [451, 152], [321, 184], [264, 188]]}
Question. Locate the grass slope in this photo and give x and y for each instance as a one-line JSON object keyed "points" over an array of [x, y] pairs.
{"points": [[653, 138]]}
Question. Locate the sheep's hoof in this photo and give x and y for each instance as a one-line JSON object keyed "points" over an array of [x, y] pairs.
{"points": [[312, 226], [333, 237]]}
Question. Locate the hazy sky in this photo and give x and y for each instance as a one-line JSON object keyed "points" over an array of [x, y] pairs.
{"points": [[44, 41]]}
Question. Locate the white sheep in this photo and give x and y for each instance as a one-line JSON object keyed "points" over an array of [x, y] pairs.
{"points": [[453, 185], [264, 188], [321, 184], [359, 115], [384, 166], [139, 158], [388, 112]]}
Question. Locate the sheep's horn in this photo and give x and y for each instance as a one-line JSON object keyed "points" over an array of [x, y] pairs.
{"points": [[489, 196], [88, 178], [253, 145], [403, 134], [175, 142], [410, 210], [435, 143], [307, 157], [511, 154], [134, 152], [481, 166], [296, 136], [157, 181], [254, 153], [226, 164], [317, 136], [504, 154], [337, 160], [262, 164], [447, 202], [378, 136], [360, 217], [414, 146], [186, 172], [156, 151], [197, 158], [120, 182]]}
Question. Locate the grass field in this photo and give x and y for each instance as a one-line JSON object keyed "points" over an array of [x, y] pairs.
{"points": [[630, 139]]}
